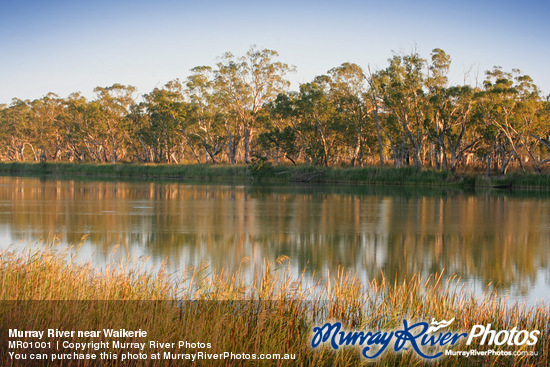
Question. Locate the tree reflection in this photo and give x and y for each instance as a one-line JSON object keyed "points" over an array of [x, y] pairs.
{"points": [[488, 238]]}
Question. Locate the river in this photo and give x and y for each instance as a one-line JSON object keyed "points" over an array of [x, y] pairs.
{"points": [[489, 239]]}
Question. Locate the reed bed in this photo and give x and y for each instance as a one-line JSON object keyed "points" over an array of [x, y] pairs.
{"points": [[267, 173], [269, 311]]}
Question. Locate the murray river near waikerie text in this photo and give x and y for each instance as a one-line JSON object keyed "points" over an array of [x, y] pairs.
{"points": [[490, 239]]}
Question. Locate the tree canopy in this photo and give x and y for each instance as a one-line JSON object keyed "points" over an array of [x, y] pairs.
{"points": [[240, 109]]}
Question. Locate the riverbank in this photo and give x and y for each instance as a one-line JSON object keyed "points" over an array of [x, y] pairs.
{"points": [[266, 173], [271, 312]]}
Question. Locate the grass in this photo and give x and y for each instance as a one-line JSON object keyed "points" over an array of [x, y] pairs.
{"points": [[242, 173], [191, 171], [267, 173], [269, 311], [518, 180]]}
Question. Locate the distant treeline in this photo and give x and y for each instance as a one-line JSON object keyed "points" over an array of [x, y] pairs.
{"points": [[240, 111]]}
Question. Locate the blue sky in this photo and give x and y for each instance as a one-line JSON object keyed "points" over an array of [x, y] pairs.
{"points": [[68, 46]]}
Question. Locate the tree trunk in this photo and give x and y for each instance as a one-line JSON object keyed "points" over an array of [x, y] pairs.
{"points": [[380, 151], [230, 147], [247, 134]]}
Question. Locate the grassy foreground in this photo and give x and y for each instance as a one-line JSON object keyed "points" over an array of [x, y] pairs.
{"points": [[268, 312], [265, 172]]}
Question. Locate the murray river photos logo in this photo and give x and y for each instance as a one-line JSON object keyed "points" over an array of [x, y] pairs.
{"points": [[422, 337]]}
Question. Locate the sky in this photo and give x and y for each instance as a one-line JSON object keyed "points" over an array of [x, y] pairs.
{"points": [[73, 46]]}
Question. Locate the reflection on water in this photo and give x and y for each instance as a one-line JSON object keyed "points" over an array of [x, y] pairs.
{"points": [[485, 238]]}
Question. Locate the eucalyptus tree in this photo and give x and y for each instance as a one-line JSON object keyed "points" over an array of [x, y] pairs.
{"points": [[320, 131], [437, 85], [282, 133], [449, 114], [541, 154], [209, 126], [402, 87], [76, 121], [508, 107], [244, 84], [348, 92], [325, 120], [533, 113], [114, 104], [164, 128], [281, 141], [94, 129], [45, 128], [376, 101], [457, 119], [15, 129]]}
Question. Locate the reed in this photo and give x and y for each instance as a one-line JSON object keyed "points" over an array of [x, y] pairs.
{"points": [[266, 173], [271, 310]]}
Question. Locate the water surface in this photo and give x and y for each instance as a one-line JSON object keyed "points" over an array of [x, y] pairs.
{"points": [[490, 238]]}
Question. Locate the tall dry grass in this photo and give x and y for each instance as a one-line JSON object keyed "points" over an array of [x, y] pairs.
{"points": [[269, 311]]}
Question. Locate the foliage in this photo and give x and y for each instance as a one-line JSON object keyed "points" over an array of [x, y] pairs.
{"points": [[240, 108], [260, 167], [268, 311]]}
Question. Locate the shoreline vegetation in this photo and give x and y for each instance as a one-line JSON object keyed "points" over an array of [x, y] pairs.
{"points": [[272, 311], [240, 111], [265, 172]]}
